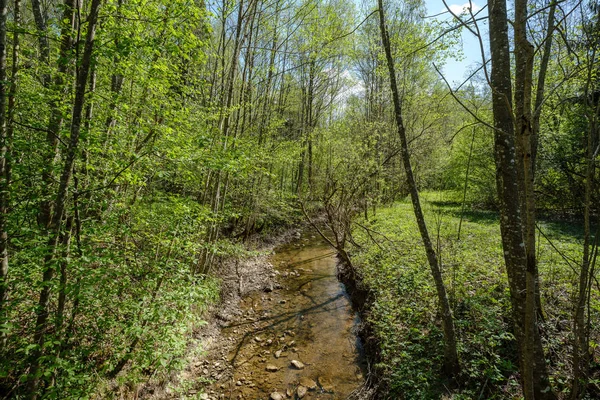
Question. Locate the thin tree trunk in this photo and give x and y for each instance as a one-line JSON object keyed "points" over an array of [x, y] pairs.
{"points": [[581, 356], [4, 166], [464, 200], [61, 201], [56, 116], [451, 364], [213, 229], [541, 83], [267, 96], [40, 22], [62, 287], [523, 87], [581, 351], [535, 125], [116, 81]]}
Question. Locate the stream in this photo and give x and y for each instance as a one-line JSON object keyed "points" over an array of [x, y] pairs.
{"points": [[297, 339]]}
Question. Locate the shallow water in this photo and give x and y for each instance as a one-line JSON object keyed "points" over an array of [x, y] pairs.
{"points": [[309, 319]]}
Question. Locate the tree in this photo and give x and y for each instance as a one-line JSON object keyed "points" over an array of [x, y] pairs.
{"points": [[56, 222], [591, 112], [451, 364], [4, 167], [521, 273]]}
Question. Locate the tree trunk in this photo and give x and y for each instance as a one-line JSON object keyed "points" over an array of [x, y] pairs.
{"points": [[213, 230], [56, 117], [520, 269], [40, 22], [4, 165], [581, 348], [535, 124], [61, 201], [451, 365], [116, 81]]}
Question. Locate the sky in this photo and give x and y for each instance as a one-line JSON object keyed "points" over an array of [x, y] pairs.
{"points": [[456, 71]]}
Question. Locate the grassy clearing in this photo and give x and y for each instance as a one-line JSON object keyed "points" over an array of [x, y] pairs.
{"points": [[394, 266]]}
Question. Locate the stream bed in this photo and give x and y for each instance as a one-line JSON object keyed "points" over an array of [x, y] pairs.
{"points": [[297, 338]]}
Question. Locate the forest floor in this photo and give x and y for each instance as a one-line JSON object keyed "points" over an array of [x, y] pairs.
{"points": [[402, 305]]}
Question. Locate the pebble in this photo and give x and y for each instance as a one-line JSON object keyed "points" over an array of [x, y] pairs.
{"points": [[272, 368], [307, 382], [301, 391], [297, 364], [277, 396], [325, 383]]}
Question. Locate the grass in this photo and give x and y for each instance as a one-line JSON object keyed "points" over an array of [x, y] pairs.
{"points": [[404, 311]]}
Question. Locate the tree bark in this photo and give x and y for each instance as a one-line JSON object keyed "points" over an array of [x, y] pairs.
{"points": [[510, 181]]}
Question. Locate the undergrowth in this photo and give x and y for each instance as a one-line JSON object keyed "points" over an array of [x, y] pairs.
{"points": [[390, 256]]}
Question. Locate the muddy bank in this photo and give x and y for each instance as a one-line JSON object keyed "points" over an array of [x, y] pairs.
{"points": [[361, 302], [239, 277], [285, 330]]}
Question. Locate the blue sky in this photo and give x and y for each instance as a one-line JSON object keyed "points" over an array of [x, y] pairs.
{"points": [[457, 71]]}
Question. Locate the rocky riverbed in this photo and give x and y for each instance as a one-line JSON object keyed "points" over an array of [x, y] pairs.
{"points": [[293, 338]]}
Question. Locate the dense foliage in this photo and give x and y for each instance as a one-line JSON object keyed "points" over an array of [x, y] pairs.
{"points": [[144, 140]]}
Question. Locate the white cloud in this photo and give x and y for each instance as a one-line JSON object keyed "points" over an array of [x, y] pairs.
{"points": [[460, 8]]}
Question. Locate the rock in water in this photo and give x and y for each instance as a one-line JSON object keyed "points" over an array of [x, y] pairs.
{"points": [[277, 396], [272, 368], [307, 382], [297, 364], [278, 354], [326, 384], [301, 391]]}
